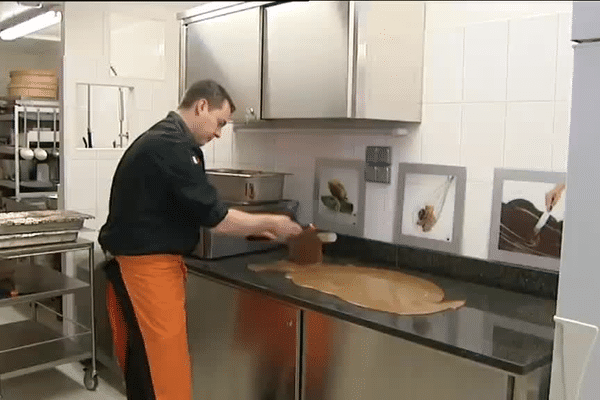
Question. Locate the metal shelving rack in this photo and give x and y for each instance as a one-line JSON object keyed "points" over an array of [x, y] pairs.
{"points": [[27, 110], [30, 345]]}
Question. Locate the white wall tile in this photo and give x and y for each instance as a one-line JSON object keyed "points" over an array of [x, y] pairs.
{"points": [[80, 17], [478, 211], [443, 66], [141, 121], [209, 154], [440, 132], [379, 215], [143, 94], [299, 186], [407, 148], [80, 185], [101, 217], [78, 69], [106, 171], [162, 104], [482, 138], [529, 136], [532, 51], [565, 56], [110, 154], [83, 154], [560, 143], [486, 59], [256, 149], [224, 145]]}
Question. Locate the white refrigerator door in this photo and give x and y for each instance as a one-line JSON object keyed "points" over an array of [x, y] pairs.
{"points": [[579, 281], [586, 21]]}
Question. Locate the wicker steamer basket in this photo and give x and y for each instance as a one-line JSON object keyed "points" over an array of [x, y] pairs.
{"points": [[33, 83]]}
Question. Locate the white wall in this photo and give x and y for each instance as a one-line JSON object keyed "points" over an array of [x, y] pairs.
{"points": [[496, 94], [497, 80], [88, 172]]}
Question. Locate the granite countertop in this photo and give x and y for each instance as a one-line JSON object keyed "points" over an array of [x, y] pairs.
{"points": [[506, 330]]}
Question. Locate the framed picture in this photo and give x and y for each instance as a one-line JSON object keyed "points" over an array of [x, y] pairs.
{"points": [[527, 218], [339, 196], [430, 206]]}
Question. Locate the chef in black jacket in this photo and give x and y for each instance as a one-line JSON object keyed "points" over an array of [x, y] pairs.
{"points": [[160, 198]]}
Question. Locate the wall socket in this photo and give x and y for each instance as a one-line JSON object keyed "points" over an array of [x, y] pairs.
{"points": [[379, 164]]}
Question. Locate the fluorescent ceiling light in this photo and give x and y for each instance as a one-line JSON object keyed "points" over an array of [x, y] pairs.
{"points": [[33, 25]]}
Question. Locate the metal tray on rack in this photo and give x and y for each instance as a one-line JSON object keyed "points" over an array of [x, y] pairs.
{"points": [[41, 221], [37, 238]]}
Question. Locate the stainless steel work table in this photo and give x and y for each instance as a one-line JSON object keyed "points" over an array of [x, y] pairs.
{"points": [[516, 339], [38, 343]]}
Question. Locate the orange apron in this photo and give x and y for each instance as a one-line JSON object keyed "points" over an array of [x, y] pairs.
{"points": [[155, 290]]}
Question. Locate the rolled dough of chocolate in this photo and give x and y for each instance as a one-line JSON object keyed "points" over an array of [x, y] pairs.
{"points": [[378, 289]]}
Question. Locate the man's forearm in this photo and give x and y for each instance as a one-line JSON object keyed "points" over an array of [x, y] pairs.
{"points": [[239, 223]]}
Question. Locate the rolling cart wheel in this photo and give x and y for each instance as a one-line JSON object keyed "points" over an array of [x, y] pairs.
{"points": [[90, 382]]}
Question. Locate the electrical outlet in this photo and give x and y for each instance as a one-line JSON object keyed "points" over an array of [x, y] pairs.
{"points": [[378, 168], [379, 155], [377, 174]]}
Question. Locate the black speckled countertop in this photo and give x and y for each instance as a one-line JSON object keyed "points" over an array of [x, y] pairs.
{"points": [[506, 330]]}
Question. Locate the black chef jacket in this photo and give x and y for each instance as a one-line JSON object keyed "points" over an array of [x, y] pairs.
{"points": [[160, 196]]}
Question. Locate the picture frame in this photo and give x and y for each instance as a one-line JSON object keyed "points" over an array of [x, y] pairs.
{"points": [[430, 206], [339, 196], [518, 204]]}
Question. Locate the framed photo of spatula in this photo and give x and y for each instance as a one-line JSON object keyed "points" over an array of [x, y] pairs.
{"points": [[339, 196], [527, 218], [430, 206]]}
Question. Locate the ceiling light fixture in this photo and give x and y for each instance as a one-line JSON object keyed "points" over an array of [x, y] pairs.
{"points": [[32, 25]]}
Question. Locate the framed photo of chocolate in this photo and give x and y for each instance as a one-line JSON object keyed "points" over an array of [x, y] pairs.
{"points": [[430, 206], [339, 196], [528, 214]]}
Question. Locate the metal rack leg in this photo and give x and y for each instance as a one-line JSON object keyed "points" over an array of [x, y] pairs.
{"points": [[34, 311], [90, 379]]}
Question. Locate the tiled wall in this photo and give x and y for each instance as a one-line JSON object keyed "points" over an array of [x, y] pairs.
{"points": [[496, 94], [88, 172]]}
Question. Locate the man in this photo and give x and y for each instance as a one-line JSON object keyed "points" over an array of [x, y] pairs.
{"points": [[160, 198]]}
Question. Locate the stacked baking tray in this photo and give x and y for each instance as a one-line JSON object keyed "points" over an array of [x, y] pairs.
{"points": [[30, 228]]}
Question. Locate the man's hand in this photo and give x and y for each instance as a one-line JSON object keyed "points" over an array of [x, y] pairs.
{"points": [[282, 228]]}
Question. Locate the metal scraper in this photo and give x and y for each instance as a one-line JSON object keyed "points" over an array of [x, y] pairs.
{"points": [[541, 222]]}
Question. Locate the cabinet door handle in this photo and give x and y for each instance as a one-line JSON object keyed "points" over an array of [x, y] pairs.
{"points": [[249, 190]]}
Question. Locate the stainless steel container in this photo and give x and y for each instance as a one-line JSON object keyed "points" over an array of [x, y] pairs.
{"points": [[212, 245], [246, 186]]}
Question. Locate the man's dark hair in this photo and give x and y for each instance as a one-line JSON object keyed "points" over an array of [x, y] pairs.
{"points": [[209, 90]]}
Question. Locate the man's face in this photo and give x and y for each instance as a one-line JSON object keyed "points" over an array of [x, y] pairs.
{"points": [[208, 122]]}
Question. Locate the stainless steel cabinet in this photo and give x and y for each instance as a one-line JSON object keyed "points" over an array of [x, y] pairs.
{"points": [[306, 60], [340, 59], [344, 361], [243, 344], [310, 60], [227, 48]]}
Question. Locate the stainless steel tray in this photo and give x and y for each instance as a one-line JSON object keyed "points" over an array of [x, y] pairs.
{"points": [[247, 186], [41, 221], [37, 238]]}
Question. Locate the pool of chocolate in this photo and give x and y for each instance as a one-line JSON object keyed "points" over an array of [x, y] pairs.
{"points": [[377, 289]]}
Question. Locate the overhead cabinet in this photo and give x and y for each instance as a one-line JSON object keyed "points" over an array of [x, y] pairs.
{"points": [[227, 49], [311, 60]]}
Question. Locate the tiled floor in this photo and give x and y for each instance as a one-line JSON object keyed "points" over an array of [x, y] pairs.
{"points": [[64, 382]]}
